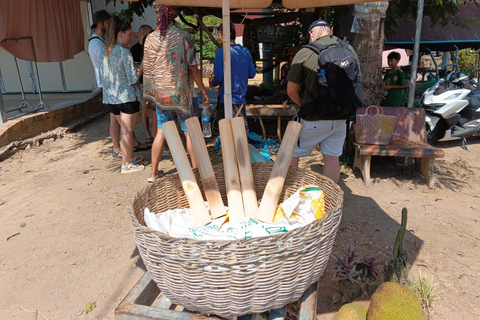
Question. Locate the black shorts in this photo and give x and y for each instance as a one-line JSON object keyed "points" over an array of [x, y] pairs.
{"points": [[128, 108]]}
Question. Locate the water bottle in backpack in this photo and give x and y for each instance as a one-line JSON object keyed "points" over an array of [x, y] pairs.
{"points": [[206, 122]]}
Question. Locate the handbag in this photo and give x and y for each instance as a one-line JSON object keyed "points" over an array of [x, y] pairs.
{"points": [[374, 127]]}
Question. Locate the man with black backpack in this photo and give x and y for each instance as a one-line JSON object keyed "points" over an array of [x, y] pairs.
{"points": [[324, 81]]}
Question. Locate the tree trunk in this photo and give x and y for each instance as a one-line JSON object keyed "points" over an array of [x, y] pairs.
{"points": [[369, 47]]}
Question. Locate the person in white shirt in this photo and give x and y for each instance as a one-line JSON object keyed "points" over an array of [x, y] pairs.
{"points": [[101, 20]]}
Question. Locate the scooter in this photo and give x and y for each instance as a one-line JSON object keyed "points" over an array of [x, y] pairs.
{"points": [[450, 112]]}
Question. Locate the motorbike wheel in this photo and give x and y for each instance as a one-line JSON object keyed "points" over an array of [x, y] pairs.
{"points": [[429, 135]]}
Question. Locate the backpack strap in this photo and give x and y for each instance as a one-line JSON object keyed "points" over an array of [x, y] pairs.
{"points": [[317, 48], [98, 38], [343, 42]]}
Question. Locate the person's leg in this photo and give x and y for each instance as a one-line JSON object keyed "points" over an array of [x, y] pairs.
{"points": [[127, 123], [115, 132], [332, 146], [145, 121], [158, 142], [183, 126], [294, 162], [190, 150], [157, 151], [308, 139], [331, 168], [154, 123]]}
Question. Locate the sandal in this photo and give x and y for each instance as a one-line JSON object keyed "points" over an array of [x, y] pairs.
{"points": [[159, 175], [141, 147], [117, 154], [132, 168], [148, 140], [138, 158]]}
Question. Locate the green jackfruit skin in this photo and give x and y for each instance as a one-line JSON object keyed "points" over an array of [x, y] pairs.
{"points": [[351, 311], [393, 301]]}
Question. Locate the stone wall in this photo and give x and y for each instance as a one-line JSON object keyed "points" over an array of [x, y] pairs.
{"points": [[14, 133]]}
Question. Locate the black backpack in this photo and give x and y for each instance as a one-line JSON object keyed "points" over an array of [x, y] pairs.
{"points": [[339, 92]]}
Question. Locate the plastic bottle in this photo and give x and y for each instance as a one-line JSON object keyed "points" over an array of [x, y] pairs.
{"points": [[322, 79], [206, 122]]}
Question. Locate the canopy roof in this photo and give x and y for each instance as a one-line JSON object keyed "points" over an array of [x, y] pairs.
{"points": [[252, 4], [438, 38]]}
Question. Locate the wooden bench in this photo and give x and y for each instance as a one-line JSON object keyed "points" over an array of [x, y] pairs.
{"points": [[408, 140], [271, 110], [145, 301]]}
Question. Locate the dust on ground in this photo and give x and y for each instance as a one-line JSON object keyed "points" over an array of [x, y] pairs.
{"points": [[76, 246]]}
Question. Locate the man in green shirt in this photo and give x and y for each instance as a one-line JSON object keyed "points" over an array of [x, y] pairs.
{"points": [[394, 82], [302, 89]]}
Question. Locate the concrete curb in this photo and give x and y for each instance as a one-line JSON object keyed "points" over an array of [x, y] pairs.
{"points": [[34, 129]]}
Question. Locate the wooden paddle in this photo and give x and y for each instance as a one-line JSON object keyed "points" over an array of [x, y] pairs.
{"points": [[210, 185], [185, 172], [244, 163], [274, 187], [232, 179]]}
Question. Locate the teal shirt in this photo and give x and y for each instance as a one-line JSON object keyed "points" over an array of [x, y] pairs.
{"points": [[118, 76], [394, 97]]}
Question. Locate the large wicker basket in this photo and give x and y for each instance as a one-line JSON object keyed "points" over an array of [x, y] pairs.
{"points": [[229, 278]]}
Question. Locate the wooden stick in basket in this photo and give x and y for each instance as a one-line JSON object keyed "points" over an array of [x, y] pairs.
{"points": [[274, 187], [185, 172], [210, 185], [244, 167], [232, 179]]}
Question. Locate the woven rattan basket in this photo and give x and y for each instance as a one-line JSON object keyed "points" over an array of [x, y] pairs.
{"points": [[374, 127], [229, 278]]}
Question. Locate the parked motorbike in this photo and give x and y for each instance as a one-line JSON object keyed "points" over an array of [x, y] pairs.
{"points": [[452, 108]]}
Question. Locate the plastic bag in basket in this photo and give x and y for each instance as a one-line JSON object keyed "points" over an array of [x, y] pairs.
{"points": [[300, 209], [374, 128]]}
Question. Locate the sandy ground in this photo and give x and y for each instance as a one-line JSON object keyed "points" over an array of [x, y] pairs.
{"points": [[76, 246]]}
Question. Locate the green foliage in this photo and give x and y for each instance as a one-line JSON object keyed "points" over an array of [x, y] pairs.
{"points": [[209, 48], [134, 8], [398, 267], [468, 60], [439, 11], [293, 34], [426, 290]]}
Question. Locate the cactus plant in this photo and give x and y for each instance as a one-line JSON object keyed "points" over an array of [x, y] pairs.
{"points": [[398, 267]]}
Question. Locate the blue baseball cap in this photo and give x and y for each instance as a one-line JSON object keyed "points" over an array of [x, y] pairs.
{"points": [[318, 23]]}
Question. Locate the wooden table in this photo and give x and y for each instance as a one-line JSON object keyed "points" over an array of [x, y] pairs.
{"points": [[145, 301], [271, 110]]}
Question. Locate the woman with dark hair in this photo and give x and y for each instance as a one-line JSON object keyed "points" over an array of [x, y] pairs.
{"points": [[120, 90]]}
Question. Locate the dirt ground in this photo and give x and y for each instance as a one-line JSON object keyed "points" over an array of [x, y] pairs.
{"points": [[66, 239]]}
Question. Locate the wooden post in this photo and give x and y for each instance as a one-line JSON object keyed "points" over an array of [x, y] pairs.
{"points": [[185, 172], [274, 187], [210, 185], [232, 180], [244, 167]]}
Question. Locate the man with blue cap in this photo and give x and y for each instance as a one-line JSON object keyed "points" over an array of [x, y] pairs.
{"points": [[302, 89]]}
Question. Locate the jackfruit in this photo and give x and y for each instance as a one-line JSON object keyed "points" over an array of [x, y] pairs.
{"points": [[351, 311], [393, 301]]}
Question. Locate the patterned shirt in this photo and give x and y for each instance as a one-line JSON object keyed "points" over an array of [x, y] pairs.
{"points": [[166, 79], [118, 76]]}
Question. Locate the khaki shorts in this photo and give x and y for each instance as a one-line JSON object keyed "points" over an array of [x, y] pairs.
{"points": [[330, 134]]}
